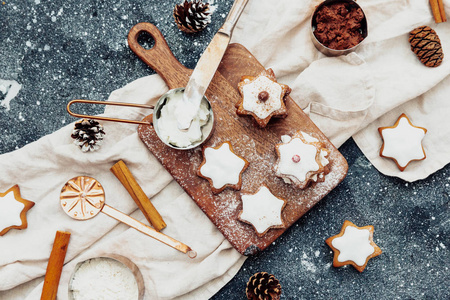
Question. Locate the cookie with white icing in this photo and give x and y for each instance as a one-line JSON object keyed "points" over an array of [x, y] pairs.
{"points": [[402, 142], [353, 246], [262, 97], [302, 159], [262, 210], [13, 210], [222, 167]]}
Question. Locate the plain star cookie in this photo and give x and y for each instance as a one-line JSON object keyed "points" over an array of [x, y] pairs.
{"points": [[302, 159], [13, 210], [402, 142], [222, 167], [262, 210], [353, 246], [262, 97]]}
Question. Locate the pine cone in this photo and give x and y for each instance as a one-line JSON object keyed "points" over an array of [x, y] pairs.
{"points": [[88, 135], [192, 16], [263, 286], [425, 43]]}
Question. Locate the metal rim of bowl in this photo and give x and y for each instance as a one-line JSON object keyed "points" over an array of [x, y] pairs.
{"points": [[329, 51], [121, 259], [157, 110]]}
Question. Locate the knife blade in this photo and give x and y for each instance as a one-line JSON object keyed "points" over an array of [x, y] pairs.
{"points": [[206, 68]]}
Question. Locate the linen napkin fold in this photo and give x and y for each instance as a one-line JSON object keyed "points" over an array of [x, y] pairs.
{"points": [[41, 169], [353, 95]]}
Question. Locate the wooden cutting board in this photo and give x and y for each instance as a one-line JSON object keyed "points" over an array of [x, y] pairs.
{"points": [[255, 144]]}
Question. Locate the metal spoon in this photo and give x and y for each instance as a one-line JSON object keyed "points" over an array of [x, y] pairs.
{"points": [[83, 198]]}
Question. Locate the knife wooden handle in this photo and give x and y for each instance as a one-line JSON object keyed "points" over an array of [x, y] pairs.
{"points": [[159, 57]]}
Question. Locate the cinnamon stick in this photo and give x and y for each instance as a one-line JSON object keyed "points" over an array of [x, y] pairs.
{"points": [[127, 179], [442, 10], [437, 7], [55, 265]]}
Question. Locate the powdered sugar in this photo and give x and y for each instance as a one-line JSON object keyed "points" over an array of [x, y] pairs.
{"points": [[103, 279]]}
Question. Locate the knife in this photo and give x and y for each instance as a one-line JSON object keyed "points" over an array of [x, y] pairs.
{"points": [[206, 68]]}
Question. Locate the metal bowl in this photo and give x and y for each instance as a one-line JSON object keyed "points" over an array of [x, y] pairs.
{"points": [[207, 129], [324, 49], [121, 259]]}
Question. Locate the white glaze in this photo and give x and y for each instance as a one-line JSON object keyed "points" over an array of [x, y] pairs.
{"points": [[309, 138], [262, 109], [222, 166], [403, 143], [307, 155], [354, 245], [262, 209], [10, 210], [168, 123]]}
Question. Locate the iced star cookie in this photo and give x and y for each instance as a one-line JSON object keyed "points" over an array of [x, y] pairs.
{"points": [[402, 142], [262, 210], [222, 167], [13, 210], [302, 159], [353, 246], [262, 97]]}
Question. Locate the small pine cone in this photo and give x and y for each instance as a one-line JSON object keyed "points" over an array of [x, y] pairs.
{"points": [[425, 43], [192, 16], [263, 286], [88, 135]]}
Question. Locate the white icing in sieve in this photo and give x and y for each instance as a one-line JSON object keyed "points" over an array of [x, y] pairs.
{"points": [[104, 279]]}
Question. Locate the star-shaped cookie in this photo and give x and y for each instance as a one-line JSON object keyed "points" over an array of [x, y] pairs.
{"points": [[222, 167], [302, 159], [353, 246], [402, 142], [13, 210], [262, 97], [262, 210]]}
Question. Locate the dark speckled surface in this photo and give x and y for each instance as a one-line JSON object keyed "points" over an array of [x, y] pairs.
{"points": [[63, 49]]}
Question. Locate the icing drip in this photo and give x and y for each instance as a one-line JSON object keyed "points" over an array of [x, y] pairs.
{"points": [[222, 166], [403, 143], [354, 245], [262, 210], [309, 138], [307, 163], [10, 210], [262, 109]]}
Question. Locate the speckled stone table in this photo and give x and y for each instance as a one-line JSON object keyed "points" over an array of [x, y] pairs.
{"points": [[64, 49]]}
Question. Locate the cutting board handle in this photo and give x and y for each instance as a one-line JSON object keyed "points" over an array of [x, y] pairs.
{"points": [[159, 57]]}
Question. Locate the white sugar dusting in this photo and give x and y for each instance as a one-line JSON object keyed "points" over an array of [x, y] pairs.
{"points": [[10, 89], [224, 208], [104, 278]]}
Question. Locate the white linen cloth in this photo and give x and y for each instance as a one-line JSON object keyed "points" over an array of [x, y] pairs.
{"points": [[353, 95], [42, 168], [345, 96]]}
